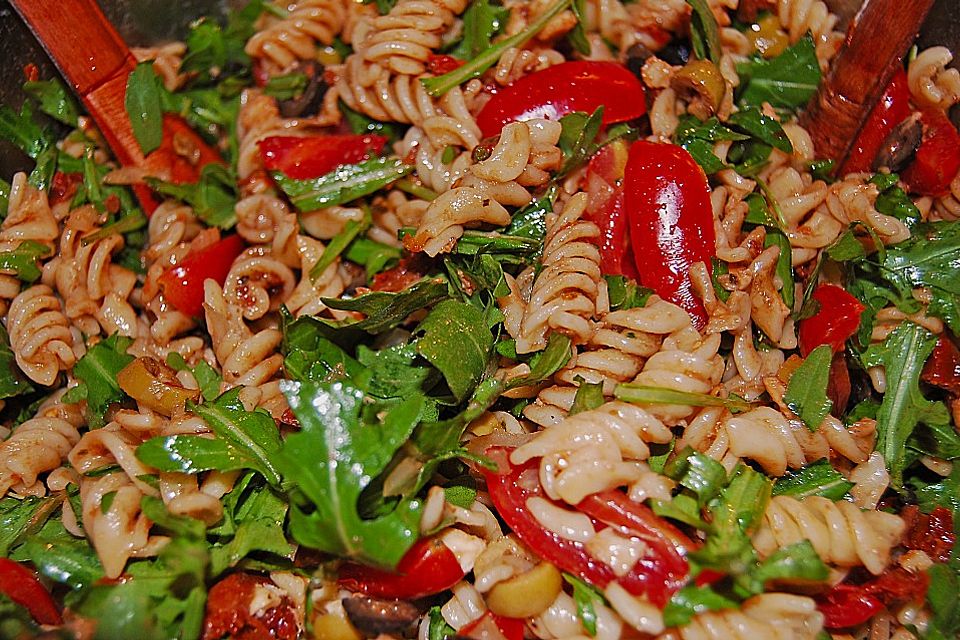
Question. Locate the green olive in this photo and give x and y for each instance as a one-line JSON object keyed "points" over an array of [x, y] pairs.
{"points": [[700, 80], [767, 36]]}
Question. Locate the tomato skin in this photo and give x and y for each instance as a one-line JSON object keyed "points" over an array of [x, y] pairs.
{"points": [[182, 285], [605, 208], [309, 157], [562, 89], [837, 320], [164, 159], [510, 628], [21, 585], [931, 533], [440, 64], [671, 221], [938, 159], [847, 606], [892, 109], [661, 573], [428, 567], [942, 368]]}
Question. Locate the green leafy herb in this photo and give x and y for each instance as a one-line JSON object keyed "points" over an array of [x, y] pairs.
{"points": [[12, 381], [143, 106], [530, 221], [587, 599], [846, 248], [752, 121], [693, 600], [439, 85], [4, 198], [457, 342], [311, 355], [798, 561], [21, 518], [894, 201], [345, 184], [61, 557], [22, 130], [943, 603], [54, 99], [945, 493], [213, 197], [577, 138], [786, 82], [24, 260], [481, 22], [704, 32], [385, 310], [816, 479], [374, 256], [577, 37], [257, 525], [589, 396], [98, 370], [461, 495], [904, 353], [339, 243], [286, 87], [361, 124], [341, 445], [806, 393], [642, 394], [625, 293], [438, 628]]}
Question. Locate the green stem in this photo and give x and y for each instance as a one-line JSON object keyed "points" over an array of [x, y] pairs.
{"points": [[439, 85], [640, 394], [130, 222], [417, 190]]}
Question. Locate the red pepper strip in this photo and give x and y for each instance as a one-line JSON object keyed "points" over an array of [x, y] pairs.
{"points": [[937, 160], [429, 567], [605, 208], [892, 109], [562, 89], [836, 321], [658, 575], [479, 629], [21, 585], [943, 366], [182, 285], [847, 606], [671, 221], [167, 158], [314, 156]]}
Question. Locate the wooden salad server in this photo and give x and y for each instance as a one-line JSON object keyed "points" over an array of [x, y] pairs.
{"points": [[878, 38]]}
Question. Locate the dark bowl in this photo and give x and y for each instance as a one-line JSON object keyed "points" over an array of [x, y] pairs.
{"points": [[144, 22]]}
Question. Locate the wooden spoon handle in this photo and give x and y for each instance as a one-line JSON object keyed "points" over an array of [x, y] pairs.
{"points": [[880, 35], [93, 58]]}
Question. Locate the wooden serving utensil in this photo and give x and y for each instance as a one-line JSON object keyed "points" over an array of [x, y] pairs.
{"points": [[878, 38]]}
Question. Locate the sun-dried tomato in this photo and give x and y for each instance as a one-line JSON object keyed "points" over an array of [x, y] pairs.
{"points": [[64, 187], [440, 64], [228, 612], [408, 270], [931, 533]]}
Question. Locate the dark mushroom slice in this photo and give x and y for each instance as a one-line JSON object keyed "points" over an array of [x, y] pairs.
{"points": [[878, 39], [900, 146], [373, 616]]}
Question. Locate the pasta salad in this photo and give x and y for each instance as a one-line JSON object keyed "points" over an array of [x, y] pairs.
{"points": [[489, 319]]}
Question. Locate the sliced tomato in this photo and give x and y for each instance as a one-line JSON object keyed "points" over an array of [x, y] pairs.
{"points": [[309, 157], [22, 586], [428, 567], [847, 606], [834, 323], [440, 64], [943, 366], [671, 221], [487, 626], [931, 533], [605, 208], [658, 575], [892, 109], [937, 160], [563, 89], [182, 285]]}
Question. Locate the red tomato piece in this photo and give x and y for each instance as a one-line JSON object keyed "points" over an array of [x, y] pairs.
{"points": [[943, 366], [562, 89], [671, 221], [314, 156], [228, 612], [169, 158], [836, 321], [892, 109], [428, 567], [480, 629], [21, 585], [440, 64], [938, 159], [64, 186], [658, 575], [605, 208], [182, 285], [931, 533], [847, 606]]}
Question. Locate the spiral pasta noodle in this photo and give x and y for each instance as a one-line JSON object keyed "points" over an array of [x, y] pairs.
{"points": [[167, 60], [294, 37], [778, 616], [931, 83], [40, 334], [38, 445], [800, 16], [840, 532], [258, 283]]}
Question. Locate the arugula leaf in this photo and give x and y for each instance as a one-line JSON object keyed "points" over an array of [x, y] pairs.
{"points": [[704, 476], [846, 248], [457, 342], [786, 82], [391, 372], [589, 396], [625, 293], [385, 310], [22, 130], [12, 381], [903, 355], [253, 434], [374, 256], [4, 198], [344, 184], [438, 629], [20, 518], [587, 599], [189, 453], [361, 124], [439, 85], [310, 355], [577, 135], [531, 220], [798, 561], [894, 201], [61, 557], [752, 121], [258, 525], [943, 603], [945, 493], [816, 479], [642, 394], [341, 446], [54, 99], [704, 32], [339, 243], [24, 260], [213, 197], [143, 106], [98, 370], [806, 393], [691, 601], [481, 21], [286, 87]]}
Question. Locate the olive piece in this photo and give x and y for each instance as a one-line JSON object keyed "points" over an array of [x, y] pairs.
{"points": [[677, 52], [900, 145], [636, 56], [701, 83], [767, 36], [373, 616], [310, 100]]}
